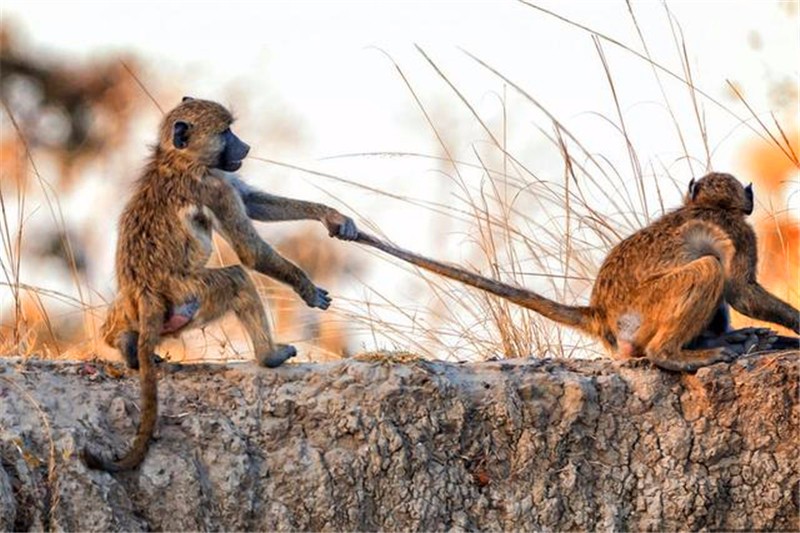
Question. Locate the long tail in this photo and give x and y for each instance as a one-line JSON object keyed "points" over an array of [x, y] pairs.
{"points": [[582, 318], [151, 317]]}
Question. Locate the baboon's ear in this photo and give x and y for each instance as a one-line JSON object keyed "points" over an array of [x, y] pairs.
{"points": [[186, 98], [693, 189], [748, 192], [180, 134]]}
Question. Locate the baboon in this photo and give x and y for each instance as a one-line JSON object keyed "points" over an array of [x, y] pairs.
{"points": [[165, 242], [120, 328], [663, 293]]}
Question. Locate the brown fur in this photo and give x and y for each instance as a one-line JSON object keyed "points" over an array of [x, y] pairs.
{"points": [[660, 288], [164, 244]]}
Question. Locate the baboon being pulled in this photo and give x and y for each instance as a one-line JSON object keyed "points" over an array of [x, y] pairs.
{"points": [[663, 293], [165, 242]]}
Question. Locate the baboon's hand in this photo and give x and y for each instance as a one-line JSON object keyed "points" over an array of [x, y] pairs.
{"points": [[340, 226], [316, 296]]}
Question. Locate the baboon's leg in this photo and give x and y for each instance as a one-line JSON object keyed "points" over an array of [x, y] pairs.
{"points": [[721, 321], [747, 296], [254, 253], [677, 306], [220, 290], [120, 328]]}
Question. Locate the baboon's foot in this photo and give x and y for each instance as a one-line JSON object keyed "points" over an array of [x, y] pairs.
{"points": [[690, 360], [724, 354], [278, 356], [748, 340], [761, 340], [129, 347], [157, 360], [740, 341], [635, 362], [755, 340], [783, 342]]}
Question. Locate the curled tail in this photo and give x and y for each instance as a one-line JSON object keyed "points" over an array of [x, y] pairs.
{"points": [[582, 318], [702, 239], [151, 317]]}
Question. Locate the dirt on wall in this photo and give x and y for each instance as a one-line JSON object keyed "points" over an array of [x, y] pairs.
{"points": [[414, 445]]}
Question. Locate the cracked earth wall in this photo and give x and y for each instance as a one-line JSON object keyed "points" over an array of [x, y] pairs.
{"points": [[368, 445]]}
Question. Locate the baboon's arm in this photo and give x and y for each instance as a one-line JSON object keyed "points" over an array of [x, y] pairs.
{"points": [[746, 295], [753, 300], [265, 207], [234, 225]]}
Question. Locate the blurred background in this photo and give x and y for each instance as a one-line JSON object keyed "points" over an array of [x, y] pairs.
{"points": [[521, 140]]}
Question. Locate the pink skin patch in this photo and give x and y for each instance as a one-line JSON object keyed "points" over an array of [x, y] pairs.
{"points": [[627, 327], [626, 350], [174, 323], [178, 316]]}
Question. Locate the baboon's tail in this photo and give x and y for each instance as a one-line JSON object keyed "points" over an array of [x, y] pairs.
{"points": [[151, 316], [582, 318], [703, 239]]}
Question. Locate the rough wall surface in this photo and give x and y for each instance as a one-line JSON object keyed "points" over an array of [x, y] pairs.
{"points": [[355, 445]]}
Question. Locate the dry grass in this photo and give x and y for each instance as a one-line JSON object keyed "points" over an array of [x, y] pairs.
{"points": [[32, 329], [519, 222], [513, 224]]}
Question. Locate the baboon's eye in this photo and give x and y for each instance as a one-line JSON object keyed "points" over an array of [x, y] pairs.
{"points": [[180, 134]]}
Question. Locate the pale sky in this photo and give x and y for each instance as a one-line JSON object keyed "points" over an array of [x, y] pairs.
{"points": [[321, 57]]}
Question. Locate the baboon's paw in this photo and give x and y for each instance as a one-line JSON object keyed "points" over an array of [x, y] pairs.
{"points": [[724, 355], [128, 346], [636, 362], [748, 340], [341, 227], [278, 356], [319, 298], [348, 231]]}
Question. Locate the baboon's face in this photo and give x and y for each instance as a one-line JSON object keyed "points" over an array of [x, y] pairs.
{"points": [[201, 129], [720, 191]]}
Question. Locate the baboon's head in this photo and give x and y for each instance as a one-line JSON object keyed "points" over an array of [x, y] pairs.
{"points": [[201, 129], [721, 191]]}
